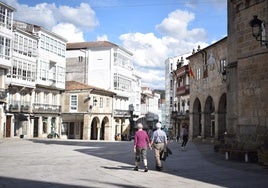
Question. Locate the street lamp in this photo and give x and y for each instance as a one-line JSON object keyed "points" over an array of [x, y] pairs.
{"points": [[258, 30]]}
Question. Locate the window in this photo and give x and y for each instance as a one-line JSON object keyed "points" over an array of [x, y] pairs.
{"points": [[222, 66], [60, 75], [36, 97], [198, 74], [54, 101], [205, 65], [5, 17], [80, 58], [121, 83], [95, 101], [46, 98], [52, 45], [107, 102], [73, 103], [101, 102], [5, 47]]}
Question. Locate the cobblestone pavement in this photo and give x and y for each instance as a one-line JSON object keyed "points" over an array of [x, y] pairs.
{"points": [[57, 163]]}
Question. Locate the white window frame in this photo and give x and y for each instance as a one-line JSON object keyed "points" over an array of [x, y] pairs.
{"points": [[73, 102]]}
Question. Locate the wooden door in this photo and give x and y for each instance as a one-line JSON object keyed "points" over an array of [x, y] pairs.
{"points": [[8, 126]]}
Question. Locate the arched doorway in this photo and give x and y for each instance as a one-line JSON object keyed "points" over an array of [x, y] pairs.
{"points": [[209, 118], [94, 129], [197, 126], [104, 124]]}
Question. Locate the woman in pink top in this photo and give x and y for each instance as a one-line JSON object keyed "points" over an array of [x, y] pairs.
{"points": [[141, 142]]}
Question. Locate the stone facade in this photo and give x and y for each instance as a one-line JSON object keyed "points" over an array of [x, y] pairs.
{"points": [[180, 113], [208, 91], [247, 78], [87, 112]]}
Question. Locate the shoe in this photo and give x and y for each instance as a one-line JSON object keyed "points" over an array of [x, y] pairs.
{"points": [[136, 168], [159, 168], [146, 169]]}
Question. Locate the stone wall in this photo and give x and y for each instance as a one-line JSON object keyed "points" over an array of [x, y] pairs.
{"points": [[247, 77]]}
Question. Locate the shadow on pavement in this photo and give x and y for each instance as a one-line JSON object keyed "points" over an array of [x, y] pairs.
{"points": [[22, 183], [199, 162]]}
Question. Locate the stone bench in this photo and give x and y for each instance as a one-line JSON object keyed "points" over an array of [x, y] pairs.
{"points": [[263, 156], [245, 152]]}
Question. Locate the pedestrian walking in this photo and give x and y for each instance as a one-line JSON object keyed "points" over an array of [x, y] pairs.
{"points": [[185, 135], [141, 143], [159, 142]]}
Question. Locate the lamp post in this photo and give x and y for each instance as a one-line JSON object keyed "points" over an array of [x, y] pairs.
{"points": [[258, 30]]}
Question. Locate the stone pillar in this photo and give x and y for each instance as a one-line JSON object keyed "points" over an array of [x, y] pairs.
{"points": [[191, 127], [49, 126], [40, 127], [86, 129], [98, 132], [216, 125], [57, 125], [203, 125], [29, 128]]}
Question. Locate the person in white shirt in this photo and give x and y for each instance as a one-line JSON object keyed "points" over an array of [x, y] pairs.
{"points": [[159, 142]]}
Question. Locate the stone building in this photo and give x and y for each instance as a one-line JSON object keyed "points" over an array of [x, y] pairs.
{"points": [[150, 108], [87, 112], [34, 82], [247, 78], [180, 112], [170, 99], [108, 66], [208, 91], [6, 25]]}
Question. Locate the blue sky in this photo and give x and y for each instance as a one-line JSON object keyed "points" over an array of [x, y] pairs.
{"points": [[153, 30]]}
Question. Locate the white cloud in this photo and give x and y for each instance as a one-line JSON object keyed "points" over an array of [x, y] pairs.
{"points": [[102, 38], [82, 16], [175, 25], [73, 34], [59, 19], [147, 48], [150, 51], [41, 14]]}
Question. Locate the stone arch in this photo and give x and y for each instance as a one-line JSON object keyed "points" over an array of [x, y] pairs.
{"points": [[222, 115], [197, 126], [209, 118], [103, 131], [94, 128]]}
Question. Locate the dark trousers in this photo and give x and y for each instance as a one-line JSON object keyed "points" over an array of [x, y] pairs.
{"points": [[184, 141]]}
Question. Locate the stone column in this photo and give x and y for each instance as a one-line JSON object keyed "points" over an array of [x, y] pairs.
{"points": [[203, 125], [29, 128], [49, 126], [191, 127], [86, 129], [40, 127], [98, 132], [57, 125], [216, 126]]}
